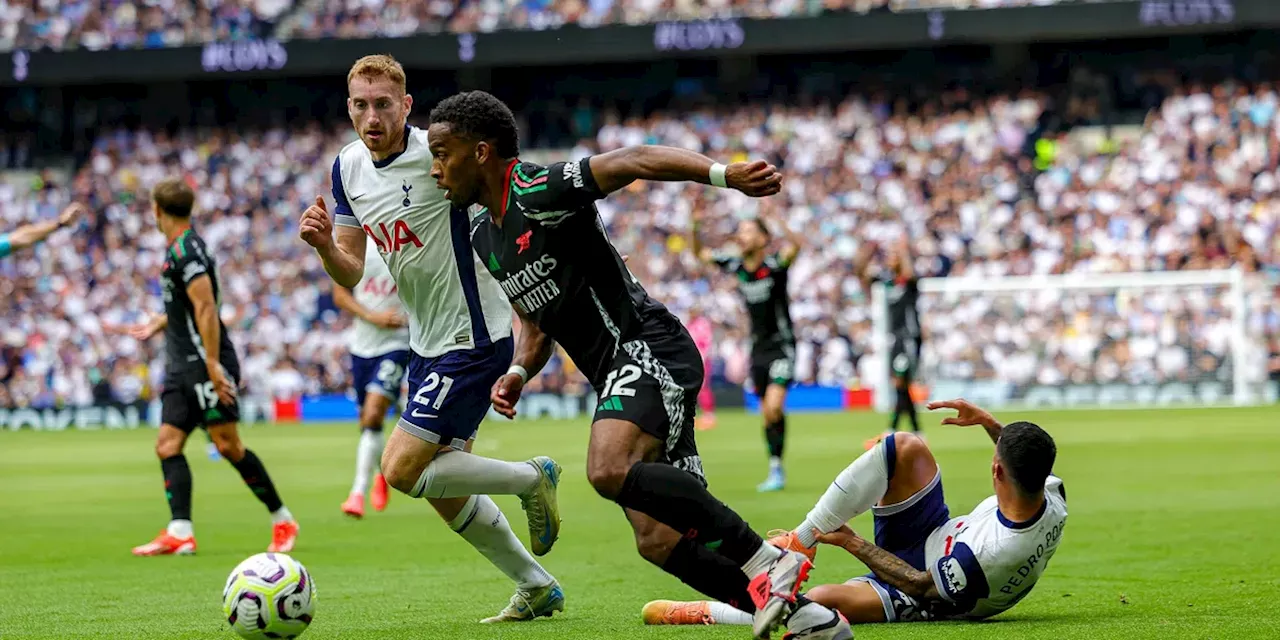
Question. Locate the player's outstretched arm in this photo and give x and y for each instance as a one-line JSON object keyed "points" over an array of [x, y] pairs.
{"points": [[346, 301], [791, 241], [343, 258], [968, 415], [619, 168], [700, 251], [31, 234], [888, 567], [533, 350]]}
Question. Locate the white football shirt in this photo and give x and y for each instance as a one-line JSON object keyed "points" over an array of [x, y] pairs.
{"points": [[984, 564], [452, 301], [376, 292]]}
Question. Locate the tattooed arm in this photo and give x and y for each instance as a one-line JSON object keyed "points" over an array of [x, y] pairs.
{"points": [[888, 567]]}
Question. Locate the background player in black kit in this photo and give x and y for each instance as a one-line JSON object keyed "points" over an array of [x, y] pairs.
{"points": [[201, 377], [540, 236], [898, 277], [762, 281]]}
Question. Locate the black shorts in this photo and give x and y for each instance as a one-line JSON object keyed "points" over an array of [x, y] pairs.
{"points": [[774, 366], [654, 384], [904, 357], [190, 401]]}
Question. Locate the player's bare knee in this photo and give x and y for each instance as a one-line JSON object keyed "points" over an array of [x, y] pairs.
{"points": [[607, 476], [825, 595], [656, 545], [909, 446], [230, 446], [168, 447], [399, 471]]}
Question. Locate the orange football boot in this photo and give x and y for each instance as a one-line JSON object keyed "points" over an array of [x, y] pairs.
{"points": [[354, 506], [378, 497], [671, 612], [283, 537], [167, 545], [788, 541]]}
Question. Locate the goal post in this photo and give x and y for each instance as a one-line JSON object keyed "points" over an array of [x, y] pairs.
{"points": [[1085, 340]]}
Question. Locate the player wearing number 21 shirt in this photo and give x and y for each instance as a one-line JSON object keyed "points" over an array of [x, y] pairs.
{"points": [[201, 377], [459, 335], [539, 234]]}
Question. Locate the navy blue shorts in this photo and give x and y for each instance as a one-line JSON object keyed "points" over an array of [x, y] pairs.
{"points": [[380, 374], [902, 529], [449, 394]]}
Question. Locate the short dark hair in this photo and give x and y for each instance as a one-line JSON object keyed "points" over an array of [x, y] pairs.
{"points": [[482, 116], [174, 197], [1027, 453]]}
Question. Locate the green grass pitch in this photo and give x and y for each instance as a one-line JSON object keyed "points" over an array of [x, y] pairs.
{"points": [[1173, 532]]}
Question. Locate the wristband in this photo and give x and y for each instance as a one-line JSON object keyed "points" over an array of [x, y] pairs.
{"points": [[716, 175], [519, 371]]}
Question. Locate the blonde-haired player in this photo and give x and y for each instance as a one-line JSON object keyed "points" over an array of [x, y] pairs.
{"points": [[460, 333]]}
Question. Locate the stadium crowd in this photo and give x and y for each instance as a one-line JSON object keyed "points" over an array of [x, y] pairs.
{"points": [[128, 24], [1195, 188]]}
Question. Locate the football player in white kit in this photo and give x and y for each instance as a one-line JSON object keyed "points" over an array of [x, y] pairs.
{"points": [[925, 564], [379, 345], [460, 333]]}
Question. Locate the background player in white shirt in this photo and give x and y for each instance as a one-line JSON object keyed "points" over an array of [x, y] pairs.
{"points": [[460, 333], [927, 565], [379, 345]]}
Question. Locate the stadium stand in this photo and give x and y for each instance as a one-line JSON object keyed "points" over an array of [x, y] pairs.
{"points": [[151, 24], [1186, 189]]}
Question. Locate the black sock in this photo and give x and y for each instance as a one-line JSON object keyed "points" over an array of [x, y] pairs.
{"points": [[893, 417], [710, 573], [775, 434], [907, 406], [177, 486], [255, 475], [677, 499]]}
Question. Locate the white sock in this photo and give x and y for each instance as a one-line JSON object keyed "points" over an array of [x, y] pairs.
{"points": [[722, 613], [482, 524], [758, 563], [368, 455], [858, 488], [281, 515], [775, 464], [180, 529], [454, 474]]}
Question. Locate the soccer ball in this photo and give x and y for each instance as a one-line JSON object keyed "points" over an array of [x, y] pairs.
{"points": [[270, 595]]}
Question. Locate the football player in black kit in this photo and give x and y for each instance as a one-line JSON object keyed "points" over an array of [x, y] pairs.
{"points": [[539, 234], [903, 292], [762, 282], [200, 378]]}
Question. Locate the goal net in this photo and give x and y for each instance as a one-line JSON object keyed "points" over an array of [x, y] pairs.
{"points": [[1088, 340]]}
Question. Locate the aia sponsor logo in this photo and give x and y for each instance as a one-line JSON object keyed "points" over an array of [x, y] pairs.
{"points": [[391, 240]]}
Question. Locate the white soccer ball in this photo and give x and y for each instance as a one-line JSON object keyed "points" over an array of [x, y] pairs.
{"points": [[270, 595]]}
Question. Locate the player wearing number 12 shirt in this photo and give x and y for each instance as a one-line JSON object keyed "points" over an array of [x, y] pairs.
{"points": [[202, 374], [539, 234], [459, 334]]}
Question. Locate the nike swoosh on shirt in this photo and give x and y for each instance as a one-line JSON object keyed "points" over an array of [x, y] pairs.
{"points": [[354, 198]]}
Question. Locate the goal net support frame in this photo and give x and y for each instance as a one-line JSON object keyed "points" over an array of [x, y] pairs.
{"points": [[1233, 280]]}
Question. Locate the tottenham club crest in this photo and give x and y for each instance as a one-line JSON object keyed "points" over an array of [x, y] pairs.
{"points": [[407, 188]]}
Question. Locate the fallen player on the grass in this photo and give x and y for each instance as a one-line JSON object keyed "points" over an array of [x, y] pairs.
{"points": [[926, 565]]}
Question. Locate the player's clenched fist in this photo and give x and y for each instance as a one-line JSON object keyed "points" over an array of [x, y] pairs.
{"points": [[506, 393], [315, 228], [756, 179]]}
